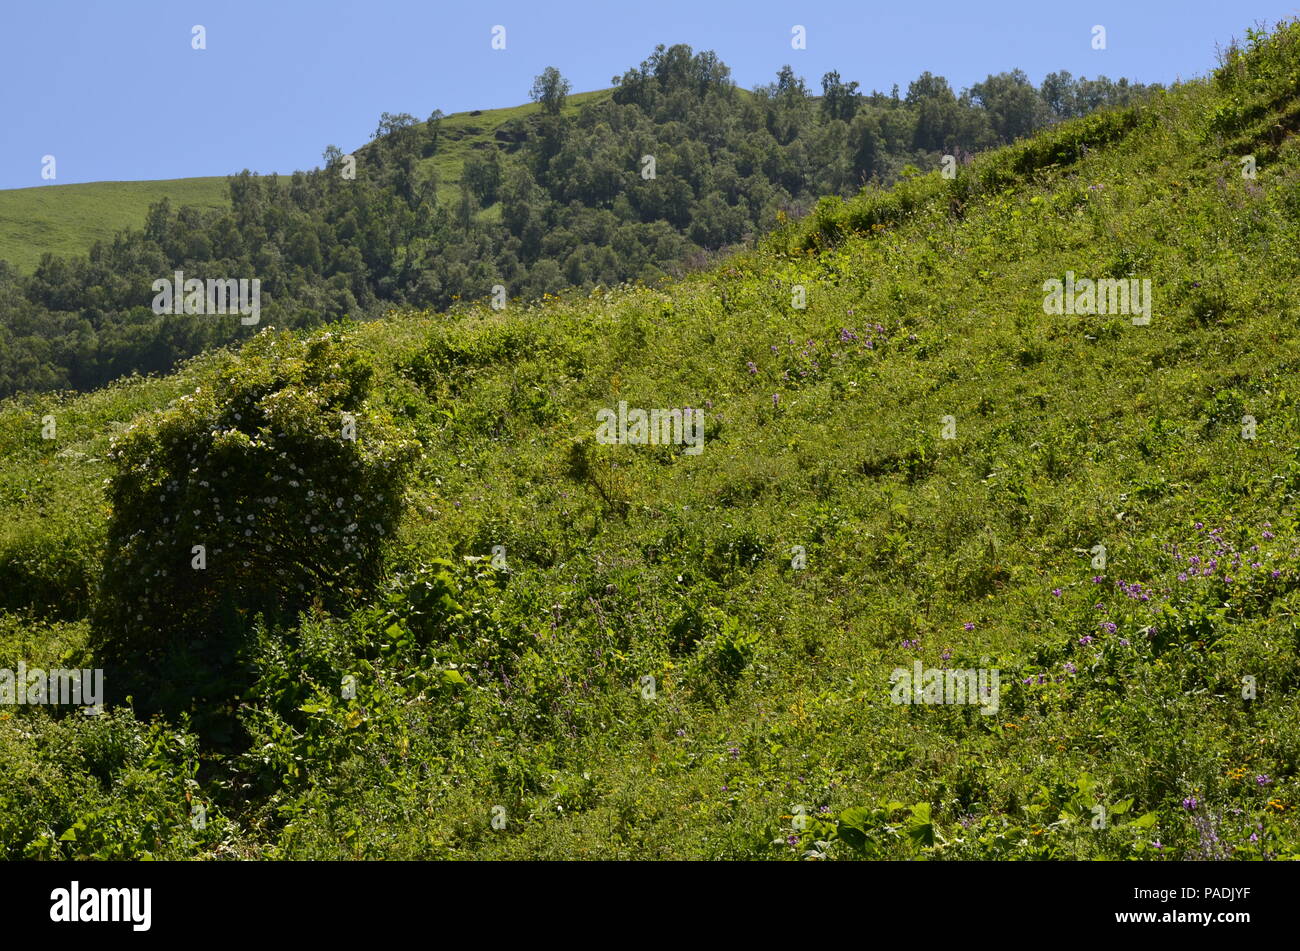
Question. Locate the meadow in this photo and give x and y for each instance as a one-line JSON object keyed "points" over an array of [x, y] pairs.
{"points": [[552, 647]]}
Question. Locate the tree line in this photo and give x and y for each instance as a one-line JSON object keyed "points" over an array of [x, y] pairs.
{"points": [[676, 165]]}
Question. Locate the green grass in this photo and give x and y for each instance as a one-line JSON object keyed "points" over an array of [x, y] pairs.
{"points": [[68, 219], [824, 430]]}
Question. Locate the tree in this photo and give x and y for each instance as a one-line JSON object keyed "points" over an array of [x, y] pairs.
{"points": [[839, 99], [466, 207], [936, 111], [1059, 91], [1013, 105], [393, 123], [550, 89], [789, 87], [434, 127], [483, 175]]}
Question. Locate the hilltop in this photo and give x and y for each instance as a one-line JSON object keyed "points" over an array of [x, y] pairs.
{"points": [[68, 220], [553, 647], [672, 168]]}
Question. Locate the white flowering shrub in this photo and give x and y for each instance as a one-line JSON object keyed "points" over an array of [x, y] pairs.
{"points": [[250, 497]]}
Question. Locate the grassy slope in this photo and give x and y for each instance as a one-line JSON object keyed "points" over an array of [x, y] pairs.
{"points": [[69, 219], [1070, 431], [462, 134]]}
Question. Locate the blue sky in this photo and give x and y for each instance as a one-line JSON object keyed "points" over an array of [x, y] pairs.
{"points": [[114, 90]]}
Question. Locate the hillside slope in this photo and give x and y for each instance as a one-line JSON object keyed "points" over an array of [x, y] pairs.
{"points": [[69, 219], [920, 465]]}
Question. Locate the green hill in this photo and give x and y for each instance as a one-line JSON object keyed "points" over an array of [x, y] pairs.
{"points": [[69, 219], [582, 650], [673, 168]]}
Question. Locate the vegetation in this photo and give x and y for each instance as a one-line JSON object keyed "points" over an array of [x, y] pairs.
{"points": [[672, 166], [68, 220], [580, 650]]}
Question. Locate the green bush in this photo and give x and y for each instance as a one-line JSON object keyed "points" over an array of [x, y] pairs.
{"points": [[248, 498]]}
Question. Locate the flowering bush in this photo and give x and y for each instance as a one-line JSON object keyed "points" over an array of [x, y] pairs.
{"points": [[260, 495]]}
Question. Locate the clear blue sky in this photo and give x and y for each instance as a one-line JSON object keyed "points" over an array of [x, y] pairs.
{"points": [[114, 91]]}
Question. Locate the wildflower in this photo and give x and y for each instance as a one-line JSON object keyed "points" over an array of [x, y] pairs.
{"points": [[1070, 668], [753, 368], [1085, 640], [1190, 803], [1262, 780], [970, 626], [1056, 592], [1109, 627]]}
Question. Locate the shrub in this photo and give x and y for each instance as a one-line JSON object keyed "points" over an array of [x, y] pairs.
{"points": [[249, 497]]}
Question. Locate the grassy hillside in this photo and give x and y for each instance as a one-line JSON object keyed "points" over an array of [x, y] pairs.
{"points": [[1147, 704], [69, 219], [464, 133]]}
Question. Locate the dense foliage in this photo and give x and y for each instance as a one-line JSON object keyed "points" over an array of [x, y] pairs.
{"points": [[584, 650], [559, 200], [265, 492]]}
